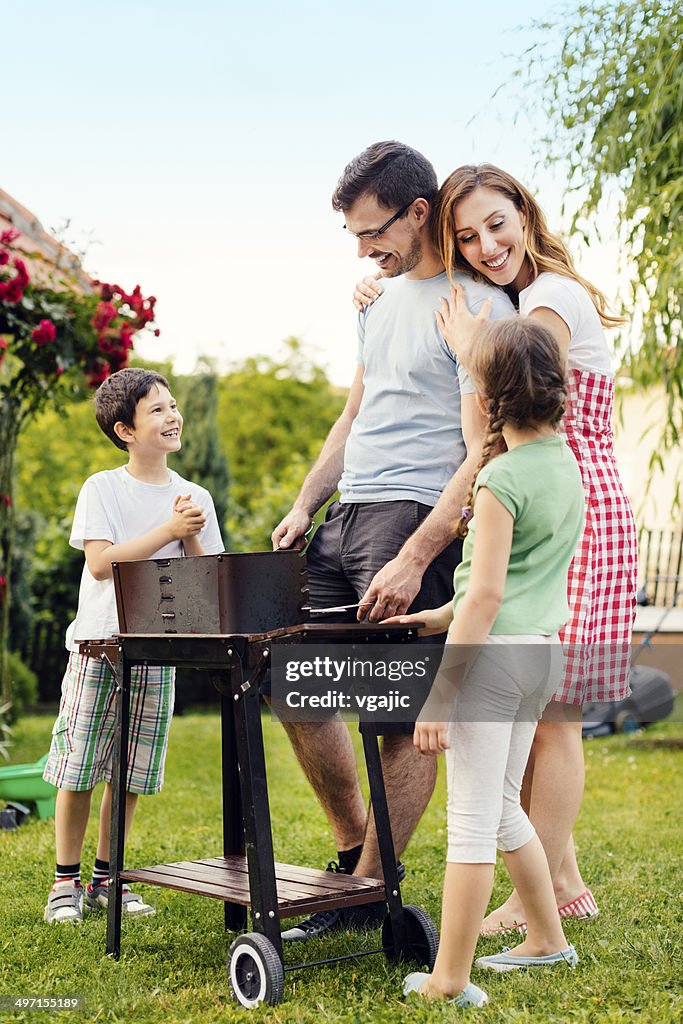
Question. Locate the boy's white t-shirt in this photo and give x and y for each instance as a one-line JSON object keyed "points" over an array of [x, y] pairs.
{"points": [[114, 506]]}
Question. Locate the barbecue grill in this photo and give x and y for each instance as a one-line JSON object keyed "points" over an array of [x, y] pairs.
{"points": [[224, 613]]}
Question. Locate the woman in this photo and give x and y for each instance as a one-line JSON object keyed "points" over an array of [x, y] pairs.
{"points": [[488, 224]]}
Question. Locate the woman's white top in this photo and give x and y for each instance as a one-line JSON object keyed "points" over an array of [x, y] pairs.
{"points": [[587, 345]]}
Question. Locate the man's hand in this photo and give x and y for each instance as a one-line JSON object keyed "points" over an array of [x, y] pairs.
{"points": [[391, 592], [291, 532], [431, 737]]}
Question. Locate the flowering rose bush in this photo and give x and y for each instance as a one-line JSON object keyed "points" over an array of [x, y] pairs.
{"points": [[68, 331]]}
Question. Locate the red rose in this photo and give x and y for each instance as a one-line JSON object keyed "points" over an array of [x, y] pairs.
{"points": [[12, 291], [4, 257], [7, 237], [44, 333], [22, 272], [126, 336], [105, 313], [157, 333], [145, 315]]}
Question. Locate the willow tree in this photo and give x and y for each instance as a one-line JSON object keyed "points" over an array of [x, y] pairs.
{"points": [[613, 91]]}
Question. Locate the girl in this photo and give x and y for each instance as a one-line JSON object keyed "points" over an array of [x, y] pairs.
{"points": [[510, 600], [488, 224]]}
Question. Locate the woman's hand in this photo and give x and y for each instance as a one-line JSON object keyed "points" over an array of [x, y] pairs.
{"points": [[366, 291], [431, 737], [457, 324], [435, 620]]}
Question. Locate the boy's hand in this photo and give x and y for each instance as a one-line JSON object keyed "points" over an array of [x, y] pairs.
{"points": [[188, 518], [431, 737]]}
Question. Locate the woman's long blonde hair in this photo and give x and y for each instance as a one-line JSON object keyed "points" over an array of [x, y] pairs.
{"points": [[544, 250]]}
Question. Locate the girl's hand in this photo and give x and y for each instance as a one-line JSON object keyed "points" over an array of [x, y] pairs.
{"points": [[431, 737], [457, 324], [366, 291], [436, 620]]}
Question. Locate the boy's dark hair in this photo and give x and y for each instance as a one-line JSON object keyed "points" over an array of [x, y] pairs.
{"points": [[117, 397], [391, 172]]}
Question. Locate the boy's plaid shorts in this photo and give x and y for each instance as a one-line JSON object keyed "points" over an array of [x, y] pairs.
{"points": [[83, 735]]}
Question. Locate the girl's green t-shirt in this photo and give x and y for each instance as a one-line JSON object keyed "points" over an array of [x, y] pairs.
{"points": [[539, 483]]}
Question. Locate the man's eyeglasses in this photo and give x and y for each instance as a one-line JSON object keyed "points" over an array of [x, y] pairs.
{"points": [[370, 236]]}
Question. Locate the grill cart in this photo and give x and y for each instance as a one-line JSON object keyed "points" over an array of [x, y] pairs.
{"points": [[224, 614]]}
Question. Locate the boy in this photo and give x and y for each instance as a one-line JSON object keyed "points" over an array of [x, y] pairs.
{"points": [[140, 510]]}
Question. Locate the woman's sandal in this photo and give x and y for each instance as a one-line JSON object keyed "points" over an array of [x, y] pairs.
{"points": [[583, 908]]}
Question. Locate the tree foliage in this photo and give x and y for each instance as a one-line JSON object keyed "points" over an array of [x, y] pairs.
{"points": [[614, 95], [201, 458], [273, 415]]}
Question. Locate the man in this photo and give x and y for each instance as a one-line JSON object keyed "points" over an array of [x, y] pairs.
{"points": [[401, 454]]}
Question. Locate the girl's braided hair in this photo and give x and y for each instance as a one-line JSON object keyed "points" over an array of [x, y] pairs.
{"points": [[518, 370]]}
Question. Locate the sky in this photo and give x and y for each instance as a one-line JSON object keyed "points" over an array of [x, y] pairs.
{"points": [[193, 148]]}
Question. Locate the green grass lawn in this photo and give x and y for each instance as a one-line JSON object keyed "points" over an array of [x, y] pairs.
{"points": [[172, 967]]}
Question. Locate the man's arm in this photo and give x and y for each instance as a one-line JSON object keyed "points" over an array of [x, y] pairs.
{"points": [[394, 587], [323, 478]]}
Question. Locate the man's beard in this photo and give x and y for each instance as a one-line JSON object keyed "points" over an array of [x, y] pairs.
{"points": [[407, 262]]}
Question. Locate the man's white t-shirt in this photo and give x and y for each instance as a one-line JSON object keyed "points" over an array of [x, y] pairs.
{"points": [[115, 506]]}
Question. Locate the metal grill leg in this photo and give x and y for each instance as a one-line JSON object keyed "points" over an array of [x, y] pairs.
{"points": [[122, 674], [233, 830], [385, 839]]}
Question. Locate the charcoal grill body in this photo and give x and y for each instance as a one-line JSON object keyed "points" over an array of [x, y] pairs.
{"points": [[246, 875]]}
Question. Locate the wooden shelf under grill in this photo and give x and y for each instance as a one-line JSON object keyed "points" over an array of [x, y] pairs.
{"points": [[300, 891]]}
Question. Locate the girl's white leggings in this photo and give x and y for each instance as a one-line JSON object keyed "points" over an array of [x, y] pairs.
{"points": [[495, 714]]}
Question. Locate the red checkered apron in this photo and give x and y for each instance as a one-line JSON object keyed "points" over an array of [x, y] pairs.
{"points": [[602, 576]]}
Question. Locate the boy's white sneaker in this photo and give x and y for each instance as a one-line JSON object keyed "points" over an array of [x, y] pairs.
{"points": [[97, 898], [64, 903]]}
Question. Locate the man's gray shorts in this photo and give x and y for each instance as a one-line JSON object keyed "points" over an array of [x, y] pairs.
{"points": [[356, 541]]}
